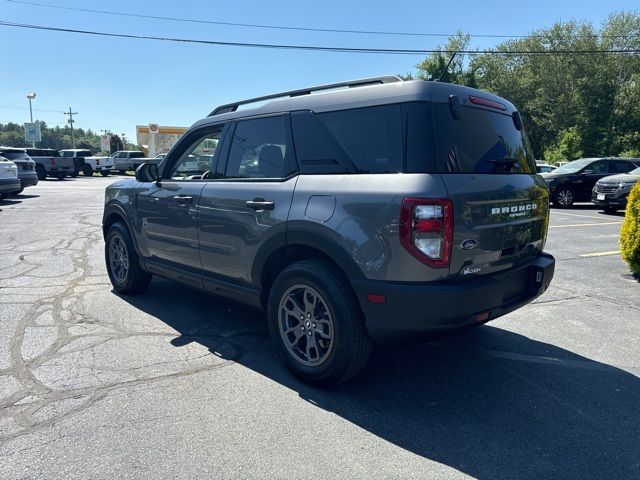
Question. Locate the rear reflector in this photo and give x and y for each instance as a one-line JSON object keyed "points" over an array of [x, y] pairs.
{"points": [[482, 317], [485, 102], [376, 298]]}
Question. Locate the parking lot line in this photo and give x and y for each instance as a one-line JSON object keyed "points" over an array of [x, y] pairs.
{"points": [[554, 212], [601, 254], [585, 224]]}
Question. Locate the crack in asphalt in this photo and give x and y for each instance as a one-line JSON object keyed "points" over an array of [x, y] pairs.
{"points": [[63, 307]]}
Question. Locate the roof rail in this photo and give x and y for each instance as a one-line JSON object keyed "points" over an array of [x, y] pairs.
{"points": [[232, 107]]}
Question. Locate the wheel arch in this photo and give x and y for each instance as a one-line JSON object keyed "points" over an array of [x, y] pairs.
{"points": [[277, 254], [114, 213]]}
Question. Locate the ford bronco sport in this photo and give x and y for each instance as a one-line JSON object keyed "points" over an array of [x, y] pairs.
{"points": [[374, 212]]}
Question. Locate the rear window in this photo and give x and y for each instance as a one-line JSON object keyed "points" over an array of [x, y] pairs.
{"points": [[34, 152], [15, 155], [480, 141]]}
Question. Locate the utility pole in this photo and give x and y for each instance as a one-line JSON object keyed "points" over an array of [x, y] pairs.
{"points": [[71, 114], [31, 96], [124, 142]]}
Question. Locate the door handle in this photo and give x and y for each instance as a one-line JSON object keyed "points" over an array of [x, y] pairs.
{"points": [[260, 204], [183, 198]]}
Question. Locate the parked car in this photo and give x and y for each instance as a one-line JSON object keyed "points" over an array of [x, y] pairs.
{"points": [[611, 192], [50, 163], [9, 181], [544, 168], [381, 224], [125, 160], [26, 167], [574, 181], [90, 163]]}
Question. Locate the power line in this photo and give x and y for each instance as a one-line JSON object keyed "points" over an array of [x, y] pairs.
{"points": [[12, 107], [385, 51], [284, 27]]}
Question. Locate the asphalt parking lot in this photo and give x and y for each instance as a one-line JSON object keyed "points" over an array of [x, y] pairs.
{"points": [[179, 384]]}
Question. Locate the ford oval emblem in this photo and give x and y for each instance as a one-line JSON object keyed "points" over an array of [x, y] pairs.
{"points": [[468, 244]]}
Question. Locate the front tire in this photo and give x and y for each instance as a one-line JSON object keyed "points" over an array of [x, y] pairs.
{"points": [[610, 209], [316, 323], [87, 171], [564, 197], [123, 265]]}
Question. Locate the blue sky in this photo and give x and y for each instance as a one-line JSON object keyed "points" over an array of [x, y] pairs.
{"points": [[117, 83]]}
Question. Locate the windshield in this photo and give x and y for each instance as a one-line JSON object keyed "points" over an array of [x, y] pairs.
{"points": [[634, 172], [572, 167]]}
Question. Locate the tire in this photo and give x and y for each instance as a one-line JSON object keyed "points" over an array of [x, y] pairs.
{"points": [[60, 176], [122, 172], [74, 174], [18, 192], [104, 173], [341, 346], [87, 171], [122, 262], [41, 172], [563, 197], [610, 209]]}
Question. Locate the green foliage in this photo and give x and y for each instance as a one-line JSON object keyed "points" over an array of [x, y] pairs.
{"points": [[598, 95], [12, 135], [631, 153], [566, 147], [630, 233]]}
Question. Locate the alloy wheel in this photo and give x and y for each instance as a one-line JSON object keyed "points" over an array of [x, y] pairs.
{"points": [[305, 325], [118, 259]]}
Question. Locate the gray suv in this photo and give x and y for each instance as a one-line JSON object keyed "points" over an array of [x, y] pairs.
{"points": [[379, 211]]}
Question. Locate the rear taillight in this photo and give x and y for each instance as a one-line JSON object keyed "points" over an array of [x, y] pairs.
{"points": [[426, 230], [53, 162]]}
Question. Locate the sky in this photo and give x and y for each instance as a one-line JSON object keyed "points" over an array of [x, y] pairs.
{"points": [[116, 83]]}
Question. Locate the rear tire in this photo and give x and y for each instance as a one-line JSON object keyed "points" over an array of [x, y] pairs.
{"points": [[316, 324], [104, 173], [122, 172], [610, 209], [563, 197], [74, 174], [123, 262], [87, 171]]}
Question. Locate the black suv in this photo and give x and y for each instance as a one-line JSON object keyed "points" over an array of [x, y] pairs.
{"points": [[384, 209], [574, 181]]}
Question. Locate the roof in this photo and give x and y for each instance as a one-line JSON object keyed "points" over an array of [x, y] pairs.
{"points": [[12, 149], [367, 94]]}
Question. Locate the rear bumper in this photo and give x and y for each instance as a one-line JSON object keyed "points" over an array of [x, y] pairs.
{"points": [[28, 179], [8, 185], [413, 308]]}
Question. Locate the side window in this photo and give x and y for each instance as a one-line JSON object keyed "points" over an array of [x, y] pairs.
{"points": [[259, 149], [599, 168], [199, 160], [622, 167]]}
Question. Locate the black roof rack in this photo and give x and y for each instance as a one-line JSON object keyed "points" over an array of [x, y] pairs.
{"points": [[232, 107]]}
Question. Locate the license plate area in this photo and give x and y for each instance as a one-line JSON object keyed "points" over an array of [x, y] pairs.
{"points": [[600, 196]]}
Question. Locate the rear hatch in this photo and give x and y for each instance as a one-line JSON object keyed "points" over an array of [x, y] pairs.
{"points": [[8, 169], [500, 204]]}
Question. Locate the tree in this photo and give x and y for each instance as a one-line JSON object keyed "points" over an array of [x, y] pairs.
{"points": [[630, 233], [566, 148], [434, 66]]}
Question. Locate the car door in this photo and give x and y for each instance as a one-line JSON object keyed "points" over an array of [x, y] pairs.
{"points": [[590, 175], [168, 209], [247, 207]]}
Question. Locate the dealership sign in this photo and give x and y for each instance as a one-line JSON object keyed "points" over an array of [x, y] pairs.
{"points": [[32, 132]]}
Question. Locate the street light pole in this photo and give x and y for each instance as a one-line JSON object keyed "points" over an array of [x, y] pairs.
{"points": [[31, 96]]}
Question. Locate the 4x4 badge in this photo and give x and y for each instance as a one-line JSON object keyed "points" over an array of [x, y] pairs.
{"points": [[468, 244]]}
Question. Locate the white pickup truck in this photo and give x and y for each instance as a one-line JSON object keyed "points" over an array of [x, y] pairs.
{"points": [[92, 164]]}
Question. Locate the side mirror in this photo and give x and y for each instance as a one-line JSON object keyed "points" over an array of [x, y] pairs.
{"points": [[147, 172]]}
